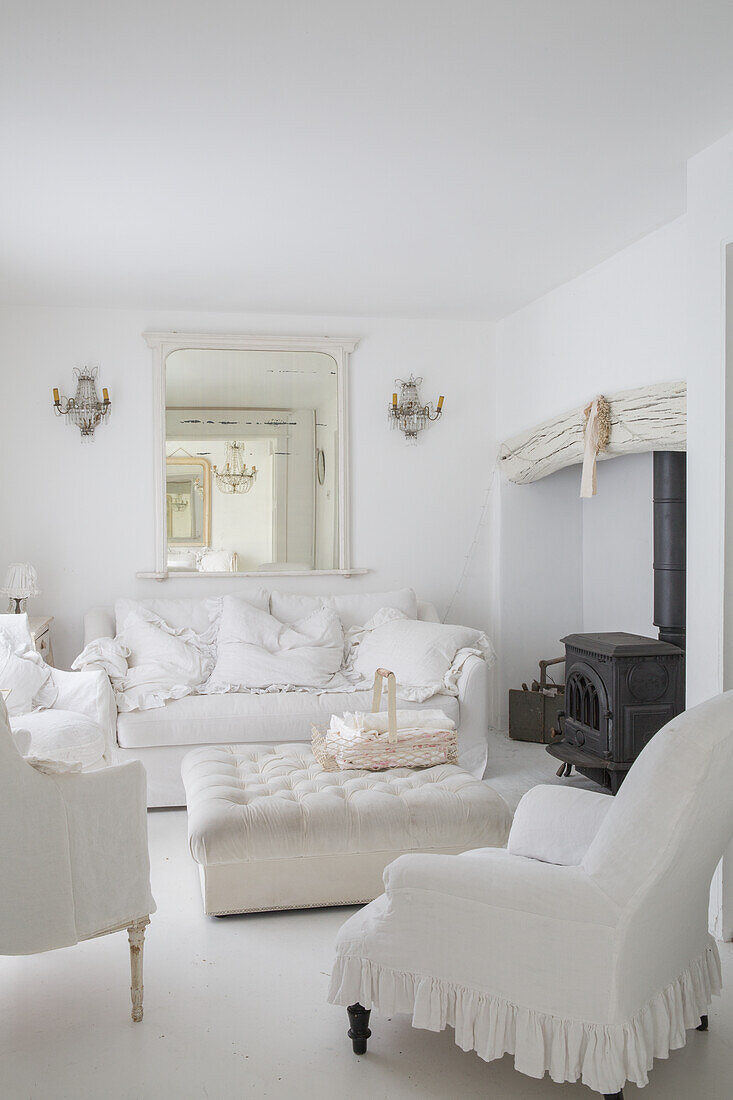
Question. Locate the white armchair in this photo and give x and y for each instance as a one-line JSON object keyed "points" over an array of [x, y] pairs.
{"points": [[74, 861], [77, 718], [583, 948]]}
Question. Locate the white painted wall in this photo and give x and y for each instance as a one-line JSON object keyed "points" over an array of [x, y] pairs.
{"points": [[566, 564], [83, 514]]}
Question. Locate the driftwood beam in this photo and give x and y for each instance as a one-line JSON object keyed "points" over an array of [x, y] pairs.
{"points": [[651, 418]]}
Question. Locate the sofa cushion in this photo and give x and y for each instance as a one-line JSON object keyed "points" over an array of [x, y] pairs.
{"points": [[62, 735], [193, 612], [353, 610], [241, 718]]}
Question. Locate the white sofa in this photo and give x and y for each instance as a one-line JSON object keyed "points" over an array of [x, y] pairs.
{"points": [[161, 738]]}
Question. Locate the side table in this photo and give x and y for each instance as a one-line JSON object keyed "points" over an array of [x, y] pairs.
{"points": [[40, 628]]}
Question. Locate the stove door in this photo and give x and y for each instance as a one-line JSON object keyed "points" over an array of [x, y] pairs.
{"points": [[587, 717]]}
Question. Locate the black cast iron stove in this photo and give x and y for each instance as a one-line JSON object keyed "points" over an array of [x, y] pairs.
{"points": [[620, 689]]}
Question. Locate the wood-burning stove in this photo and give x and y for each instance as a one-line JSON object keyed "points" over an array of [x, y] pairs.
{"points": [[619, 690]]}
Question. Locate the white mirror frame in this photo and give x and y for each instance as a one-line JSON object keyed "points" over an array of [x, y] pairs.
{"points": [[164, 344]]}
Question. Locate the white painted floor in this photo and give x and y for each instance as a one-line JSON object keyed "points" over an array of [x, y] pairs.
{"points": [[236, 1008]]}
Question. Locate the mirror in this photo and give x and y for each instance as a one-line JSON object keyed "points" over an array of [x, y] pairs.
{"points": [[187, 500], [252, 460]]}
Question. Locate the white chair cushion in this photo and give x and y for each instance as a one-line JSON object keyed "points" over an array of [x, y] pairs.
{"points": [[62, 735], [242, 717], [261, 803]]}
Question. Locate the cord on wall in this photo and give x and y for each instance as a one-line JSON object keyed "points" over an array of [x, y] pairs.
{"points": [[474, 543]]}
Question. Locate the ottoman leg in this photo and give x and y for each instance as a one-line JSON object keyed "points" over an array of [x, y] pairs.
{"points": [[359, 1031]]}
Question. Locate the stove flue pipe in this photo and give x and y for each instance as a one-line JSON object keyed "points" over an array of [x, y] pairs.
{"points": [[670, 546]]}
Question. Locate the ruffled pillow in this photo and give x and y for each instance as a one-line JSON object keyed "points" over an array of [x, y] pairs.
{"points": [[162, 663], [426, 658], [255, 651], [26, 675]]}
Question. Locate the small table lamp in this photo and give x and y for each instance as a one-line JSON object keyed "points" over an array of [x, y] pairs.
{"points": [[21, 581]]}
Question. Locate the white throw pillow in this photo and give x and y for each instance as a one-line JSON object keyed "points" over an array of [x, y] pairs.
{"points": [[17, 630], [215, 561], [26, 675], [426, 658], [256, 651], [163, 663], [353, 610], [61, 735]]}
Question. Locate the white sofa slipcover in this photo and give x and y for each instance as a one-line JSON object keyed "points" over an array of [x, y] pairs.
{"points": [[162, 737], [586, 959], [271, 830]]}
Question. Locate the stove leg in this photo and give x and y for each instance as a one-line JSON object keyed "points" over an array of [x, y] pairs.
{"points": [[359, 1031], [703, 1025]]}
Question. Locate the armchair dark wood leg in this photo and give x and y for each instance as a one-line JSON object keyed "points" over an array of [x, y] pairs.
{"points": [[359, 1030], [703, 1025], [614, 1095]]}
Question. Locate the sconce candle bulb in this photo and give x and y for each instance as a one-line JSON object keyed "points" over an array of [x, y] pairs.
{"points": [[410, 414]]}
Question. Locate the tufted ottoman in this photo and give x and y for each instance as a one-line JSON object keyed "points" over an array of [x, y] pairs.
{"points": [[271, 830]]}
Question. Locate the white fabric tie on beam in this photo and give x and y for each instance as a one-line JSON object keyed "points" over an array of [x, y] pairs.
{"points": [[588, 484]]}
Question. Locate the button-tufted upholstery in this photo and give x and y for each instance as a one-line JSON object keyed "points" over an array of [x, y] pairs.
{"points": [[270, 829]]}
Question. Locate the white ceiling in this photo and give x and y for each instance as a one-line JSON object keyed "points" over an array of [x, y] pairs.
{"points": [[390, 157]]}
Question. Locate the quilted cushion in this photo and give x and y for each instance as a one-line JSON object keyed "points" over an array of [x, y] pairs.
{"points": [[262, 803]]}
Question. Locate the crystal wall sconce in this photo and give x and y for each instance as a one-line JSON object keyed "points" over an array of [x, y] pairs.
{"points": [[84, 409], [409, 414]]}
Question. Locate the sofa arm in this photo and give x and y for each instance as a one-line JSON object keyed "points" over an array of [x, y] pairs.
{"points": [[88, 693], [557, 824], [473, 718]]}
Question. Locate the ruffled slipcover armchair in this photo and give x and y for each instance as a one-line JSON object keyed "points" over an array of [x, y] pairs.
{"points": [[73, 857], [583, 948]]}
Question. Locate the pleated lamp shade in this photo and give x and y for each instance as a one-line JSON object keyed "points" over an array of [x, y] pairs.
{"points": [[21, 581]]}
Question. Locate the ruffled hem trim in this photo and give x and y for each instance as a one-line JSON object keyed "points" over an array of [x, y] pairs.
{"points": [[603, 1056]]}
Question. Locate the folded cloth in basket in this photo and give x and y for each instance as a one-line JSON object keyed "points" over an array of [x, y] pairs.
{"points": [[357, 726]]}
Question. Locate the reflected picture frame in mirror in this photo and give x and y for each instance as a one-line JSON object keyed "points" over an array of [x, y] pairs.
{"points": [[176, 463]]}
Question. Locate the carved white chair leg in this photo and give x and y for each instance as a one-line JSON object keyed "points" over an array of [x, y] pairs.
{"points": [[136, 936]]}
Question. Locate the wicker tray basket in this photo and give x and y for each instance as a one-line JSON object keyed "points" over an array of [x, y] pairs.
{"points": [[406, 748]]}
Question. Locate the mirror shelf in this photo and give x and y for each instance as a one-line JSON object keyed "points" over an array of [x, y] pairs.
{"points": [[266, 417], [164, 576]]}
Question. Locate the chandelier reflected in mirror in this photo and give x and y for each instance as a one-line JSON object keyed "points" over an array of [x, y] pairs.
{"points": [[235, 477], [410, 414]]}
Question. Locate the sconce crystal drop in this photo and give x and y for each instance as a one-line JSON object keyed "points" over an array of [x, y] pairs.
{"points": [[409, 414], [84, 409]]}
